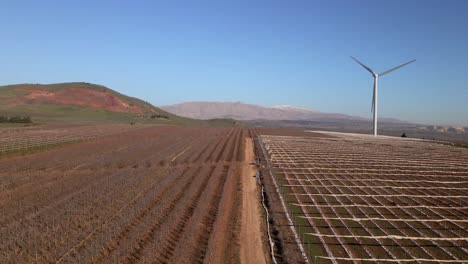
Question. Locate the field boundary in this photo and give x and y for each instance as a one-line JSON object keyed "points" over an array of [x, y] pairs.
{"points": [[291, 224], [270, 239]]}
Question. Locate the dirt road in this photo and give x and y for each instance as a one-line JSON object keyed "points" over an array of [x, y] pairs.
{"points": [[251, 246]]}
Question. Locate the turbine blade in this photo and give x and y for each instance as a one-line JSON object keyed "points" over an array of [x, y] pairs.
{"points": [[373, 99], [362, 64], [392, 69]]}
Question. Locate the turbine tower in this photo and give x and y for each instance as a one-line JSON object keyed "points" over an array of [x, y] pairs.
{"points": [[376, 80]]}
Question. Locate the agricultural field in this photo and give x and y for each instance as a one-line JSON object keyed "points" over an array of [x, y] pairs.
{"points": [[20, 138], [131, 194], [343, 198]]}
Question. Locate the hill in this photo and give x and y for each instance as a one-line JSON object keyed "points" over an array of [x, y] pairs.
{"points": [[83, 102], [241, 111]]}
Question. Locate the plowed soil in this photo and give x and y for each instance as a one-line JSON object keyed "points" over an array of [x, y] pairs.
{"points": [[160, 194]]}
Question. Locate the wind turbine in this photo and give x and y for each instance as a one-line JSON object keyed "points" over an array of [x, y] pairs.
{"points": [[376, 79]]}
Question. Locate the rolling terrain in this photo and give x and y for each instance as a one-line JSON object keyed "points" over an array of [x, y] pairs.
{"points": [[88, 187], [85, 102]]}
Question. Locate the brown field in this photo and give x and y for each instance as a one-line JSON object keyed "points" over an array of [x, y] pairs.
{"points": [[17, 139], [156, 194], [352, 198], [173, 194]]}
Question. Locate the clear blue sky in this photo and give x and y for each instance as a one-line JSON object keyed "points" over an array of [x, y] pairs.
{"points": [[262, 52]]}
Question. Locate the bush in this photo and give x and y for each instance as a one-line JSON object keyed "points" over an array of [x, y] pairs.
{"points": [[16, 119], [159, 116]]}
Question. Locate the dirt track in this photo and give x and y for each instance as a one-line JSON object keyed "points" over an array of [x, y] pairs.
{"points": [[251, 246]]}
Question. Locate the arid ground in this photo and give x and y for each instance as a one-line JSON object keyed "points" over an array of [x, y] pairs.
{"points": [[129, 194], [197, 194]]}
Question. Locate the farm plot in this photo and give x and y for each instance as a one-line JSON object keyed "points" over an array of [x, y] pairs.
{"points": [[24, 138], [148, 195], [358, 199]]}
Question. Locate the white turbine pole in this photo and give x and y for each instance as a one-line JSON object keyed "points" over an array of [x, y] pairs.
{"points": [[376, 102], [376, 80]]}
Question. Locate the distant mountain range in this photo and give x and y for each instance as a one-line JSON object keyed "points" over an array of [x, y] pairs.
{"points": [[242, 111], [444, 129]]}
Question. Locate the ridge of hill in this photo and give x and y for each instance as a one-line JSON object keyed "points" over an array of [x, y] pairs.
{"points": [[242, 111], [79, 93]]}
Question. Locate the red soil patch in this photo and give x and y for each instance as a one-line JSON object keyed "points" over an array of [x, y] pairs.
{"points": [[78, 96]]}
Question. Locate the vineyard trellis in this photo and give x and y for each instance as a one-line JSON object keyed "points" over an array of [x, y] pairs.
{"points": [[117, 199], [333, 186], [18, 139]]}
